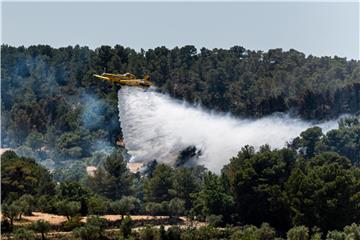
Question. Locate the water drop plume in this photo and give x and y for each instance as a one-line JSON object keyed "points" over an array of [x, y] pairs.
{"points": [[155, 126]]}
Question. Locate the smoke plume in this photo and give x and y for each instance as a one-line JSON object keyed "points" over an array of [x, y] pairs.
{"points": [[156, 126]]}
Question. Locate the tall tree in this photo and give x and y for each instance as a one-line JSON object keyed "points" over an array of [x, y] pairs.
{"points": [[113, 180], [156, 188]]}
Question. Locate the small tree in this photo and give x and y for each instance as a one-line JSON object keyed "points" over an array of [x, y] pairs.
{"points": [[176, 207], [25, 204], [98, 205], [124, 206], [11, 212], [42, 227], [153, 208], [68, 208]]}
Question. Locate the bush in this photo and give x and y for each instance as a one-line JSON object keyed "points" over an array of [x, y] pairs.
{"points": [[125, 205], [87, 232], [153, 208], [72, 223], [246, 233], [97, 221], [149, 233], [335, 235], [125, 228], [92, 230], [68, 208], [353, 231], [23, 234], [266, 232], [208, 232], [45, 204], [214, 220], [42, 227], [173, 233], [298, 233], [98, 205], [316, 236], [176, 207]]}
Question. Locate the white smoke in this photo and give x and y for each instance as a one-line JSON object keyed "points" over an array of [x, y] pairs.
{"points": [[156, 126]]}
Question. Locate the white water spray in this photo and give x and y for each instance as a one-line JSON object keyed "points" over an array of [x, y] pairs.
{"points": [[156, 126]]}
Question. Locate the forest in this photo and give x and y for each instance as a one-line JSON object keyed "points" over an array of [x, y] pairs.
{"points": [[310, 188], [54, 109], [55, 115]]}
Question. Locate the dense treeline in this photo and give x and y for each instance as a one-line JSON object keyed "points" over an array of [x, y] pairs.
{"points": [[55, 109], [311, 182], [94, 229]]}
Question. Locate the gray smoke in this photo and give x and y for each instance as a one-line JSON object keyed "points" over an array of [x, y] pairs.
{"points": [[156, 126], [93, 112]]}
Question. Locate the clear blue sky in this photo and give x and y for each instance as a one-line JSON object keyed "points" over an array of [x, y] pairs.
{"points": [[320, 28]]}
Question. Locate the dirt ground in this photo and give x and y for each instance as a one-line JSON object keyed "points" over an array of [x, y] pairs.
{"points": [[51, 218], [54, 219]]}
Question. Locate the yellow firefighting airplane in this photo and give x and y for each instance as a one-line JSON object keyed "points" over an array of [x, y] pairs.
{"points": [[126, 79]]}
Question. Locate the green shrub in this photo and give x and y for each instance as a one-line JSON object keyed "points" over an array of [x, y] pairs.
{"points": [[68, 208], [335, 235], [353, 231], [208, 232], [298, 233], [266, 232], [125, 228], [214, 220], [42, 227], [316, 236], [173, 233], [98, 205], [87, 232], [93, 229], [72, 223], [24, 234], [149, 233]]}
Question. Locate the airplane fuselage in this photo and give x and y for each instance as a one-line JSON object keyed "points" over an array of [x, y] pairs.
{"points": [[125, 79]]}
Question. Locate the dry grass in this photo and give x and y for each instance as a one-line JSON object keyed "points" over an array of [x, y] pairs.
{"points": [[54, 219], [51, 218]]}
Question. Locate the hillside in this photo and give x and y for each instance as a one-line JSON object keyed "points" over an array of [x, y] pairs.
{"points": [[49, 95], [56, 114]]}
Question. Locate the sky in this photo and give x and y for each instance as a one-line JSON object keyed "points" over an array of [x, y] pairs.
{"points": [[317, 28]]}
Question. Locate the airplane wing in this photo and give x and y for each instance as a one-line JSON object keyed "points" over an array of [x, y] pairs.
{"points": [[101, 77]]}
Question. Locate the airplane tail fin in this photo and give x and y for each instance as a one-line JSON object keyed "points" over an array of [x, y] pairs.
{"points": [[146, 77]]}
